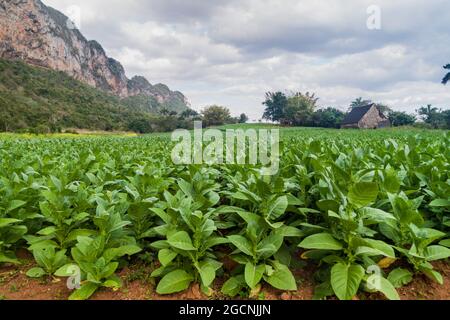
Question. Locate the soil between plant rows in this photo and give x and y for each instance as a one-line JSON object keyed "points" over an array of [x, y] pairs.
{"points": [[137, 285]]}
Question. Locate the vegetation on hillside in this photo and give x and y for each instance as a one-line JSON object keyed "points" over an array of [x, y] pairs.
{"points": [[42, 100]]}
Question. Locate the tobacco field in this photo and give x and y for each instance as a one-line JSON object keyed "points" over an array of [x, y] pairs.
{"points": [[369, 210]]}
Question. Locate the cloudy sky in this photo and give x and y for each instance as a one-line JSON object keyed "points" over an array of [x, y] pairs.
{"points": [[231, 52]]}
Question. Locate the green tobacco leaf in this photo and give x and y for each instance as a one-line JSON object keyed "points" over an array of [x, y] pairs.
{"points": [[321, 241], [328, 205], [253, 274], [281, 278], [433, 275], [434, 253], [15, 204], [384, 286], [175, 281], [269, 246], [379, 248], [85, 292], [400, 277], [166, 256], [445, 243], [440, 203], [242, 244], [233, 286], [363, 193], [181, 240], [67, 270], [207, 273], [36, 273], [7, 221], [277, 208], [376, 215], [47, 231], [345, 280]]}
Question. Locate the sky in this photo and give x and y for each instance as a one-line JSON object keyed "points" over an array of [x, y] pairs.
{"points": [[232, 52]]}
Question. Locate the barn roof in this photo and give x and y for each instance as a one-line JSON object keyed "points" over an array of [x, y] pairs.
{"points": [[357, 114]]}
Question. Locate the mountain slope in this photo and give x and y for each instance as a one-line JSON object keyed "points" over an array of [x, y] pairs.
{"points": [[42, 36], [32, 97]]}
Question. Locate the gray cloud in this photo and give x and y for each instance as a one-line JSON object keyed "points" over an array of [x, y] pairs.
{"points": [[231, 52]]}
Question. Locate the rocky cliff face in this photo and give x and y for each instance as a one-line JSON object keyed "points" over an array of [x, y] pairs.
{"points": [[42, 36]]}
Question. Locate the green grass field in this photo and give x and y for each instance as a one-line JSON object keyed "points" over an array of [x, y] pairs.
{"points": [[345, 201]]}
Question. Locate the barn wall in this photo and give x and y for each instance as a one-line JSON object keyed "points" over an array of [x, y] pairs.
{"points": [[371, 119]]}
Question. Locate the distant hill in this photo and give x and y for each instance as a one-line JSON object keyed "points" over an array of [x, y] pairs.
{"points": [[34, 96], [42, 36]]}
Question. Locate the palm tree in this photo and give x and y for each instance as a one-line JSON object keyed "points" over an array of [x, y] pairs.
{"points": [[360, 102], [447, 76], [429, 114], [164, 111]]}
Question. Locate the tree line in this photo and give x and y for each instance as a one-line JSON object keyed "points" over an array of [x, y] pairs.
{"points": [[298, 109]]}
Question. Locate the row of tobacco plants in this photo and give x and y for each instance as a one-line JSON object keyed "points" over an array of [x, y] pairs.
{"points": [[369, 210]]}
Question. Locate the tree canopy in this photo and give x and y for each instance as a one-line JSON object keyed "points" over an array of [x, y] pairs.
{"points": [[216, 115]]}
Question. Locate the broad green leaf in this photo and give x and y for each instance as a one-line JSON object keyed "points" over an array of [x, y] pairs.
{"points": [[445, 243], [181, 240], [175, 281], [207, 274], [378, 283], [362, 194], [233, 286], [15, 204], [277, 208], [440, 203], [281, 278], [36, 273], [47, 231], [166, 256], [85, 292], [253, 274], [379, 248], [434, 253], [321, 241], [67, 270], [433, 275], [269, 246], [376, 215], [7, 221], [242, 244], [400, 277], [345, 280]]}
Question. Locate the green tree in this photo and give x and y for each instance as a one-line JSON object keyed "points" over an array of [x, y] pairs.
{"points": [[216, 115], [243, 118], [189, 113], [164, 112], [276, 103], [447, 76], [399, 118], [140, 126], [359, 102], [300, 109], [427, 113], [384, 109], [328, 118]]}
